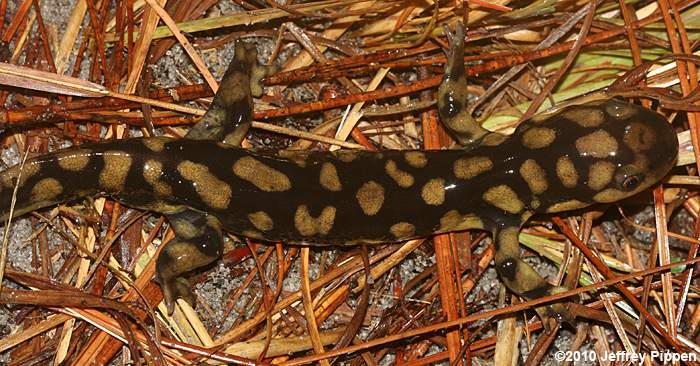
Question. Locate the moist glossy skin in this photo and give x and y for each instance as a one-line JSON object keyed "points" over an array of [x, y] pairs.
{"points": [[204, 184]]}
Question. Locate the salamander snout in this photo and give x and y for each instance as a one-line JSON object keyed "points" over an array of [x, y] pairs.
{"points": [[647, 149]]}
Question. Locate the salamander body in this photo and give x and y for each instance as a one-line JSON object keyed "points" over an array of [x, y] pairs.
{"points": [[593, 153]]}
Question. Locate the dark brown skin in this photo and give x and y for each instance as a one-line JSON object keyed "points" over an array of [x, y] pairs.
{"points": [[204, 184]]}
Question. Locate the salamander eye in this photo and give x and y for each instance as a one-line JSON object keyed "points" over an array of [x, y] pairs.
{"points": [[630, 183]]}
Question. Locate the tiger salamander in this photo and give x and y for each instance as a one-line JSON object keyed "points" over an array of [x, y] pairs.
{"points": [[205, 184]]}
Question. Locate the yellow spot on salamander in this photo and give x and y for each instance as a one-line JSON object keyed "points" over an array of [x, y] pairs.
{"points": [[185, 229], [155, 144], [567, 172], [505, 198], [609, 195], [253, 234], [298, 157], [454, 221], [370, 197], [10, 175], [403, 179], [74, 161], [598, 144], [538, 137], [162, 206], [261, 175], [534, 176], [433, 192], [402, 230], [346, 156], [416, 159], [493, 139], [213, 191], [600, 174], [152, 173], [585, 117], [261, 220], [534, 204], [116, 168], [468, 168], [566, 206], [329, 178], [46, 190], [308, 225]]}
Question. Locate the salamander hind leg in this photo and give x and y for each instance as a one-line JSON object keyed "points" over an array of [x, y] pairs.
{"points": [[230, 114], [452, 94], [521, 279], [198, 241]]}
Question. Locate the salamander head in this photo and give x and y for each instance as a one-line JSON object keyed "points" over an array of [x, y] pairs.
{"points": [[599, 152]]}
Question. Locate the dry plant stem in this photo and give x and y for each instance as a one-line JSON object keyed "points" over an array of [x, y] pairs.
{"points": [[16, 22], [242, 19], [235, 296], [687, 75], [688, 275], [3, 9], [570, 57], [688, 81], [99, 41], [531, 327], [664, 258], [435, 138], [471, 71], [25, 77], [688, 239], [615, 319], [30, 332], [307, 300], [487, 314], [608, 274], [266, 299], [6, 232], [67, 299], [347, 268], [361, 308], [542, 345], [186, 45], [281, 346], [139, 51], [305, 41], [551, 39], [101, 347], [306, 135], [629, 17]]}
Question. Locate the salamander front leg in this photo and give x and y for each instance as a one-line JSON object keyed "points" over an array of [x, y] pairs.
{"points": [[198, 241], [452, 94], [520, 278]]}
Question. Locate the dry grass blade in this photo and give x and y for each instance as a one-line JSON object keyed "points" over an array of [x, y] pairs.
{"points": [[33, 331], [24, 77], [312, 326], [485, 315], [143, 43], [185, 44], [71, 34], [6, 231], [283, 346], [243, 18]]}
